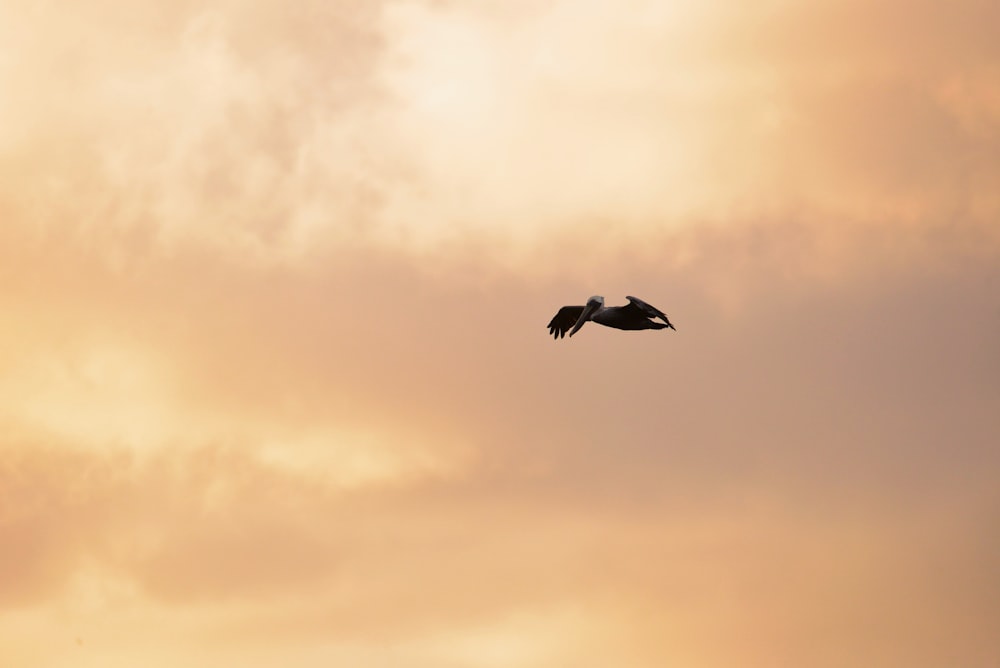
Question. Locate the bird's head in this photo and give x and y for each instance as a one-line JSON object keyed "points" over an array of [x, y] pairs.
{"points": [[593, 304]]}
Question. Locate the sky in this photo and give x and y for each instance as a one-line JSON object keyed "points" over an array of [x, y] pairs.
{"points": [[275, 382]]}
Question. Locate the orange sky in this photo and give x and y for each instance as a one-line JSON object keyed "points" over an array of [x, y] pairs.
{"points": [[275, 384]]}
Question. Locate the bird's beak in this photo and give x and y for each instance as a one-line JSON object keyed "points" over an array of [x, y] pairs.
{"points": [[584, 317]]}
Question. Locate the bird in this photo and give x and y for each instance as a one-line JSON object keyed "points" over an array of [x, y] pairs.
{"points": [[637, 314]]}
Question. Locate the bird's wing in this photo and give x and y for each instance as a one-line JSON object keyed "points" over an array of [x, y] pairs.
{"points": [[564, 320], [647, 310]]}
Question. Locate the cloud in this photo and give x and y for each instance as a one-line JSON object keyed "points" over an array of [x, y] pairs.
{"points": [[280, 134], [219, 126], [275, 374], [669, 117], [267, 560]]}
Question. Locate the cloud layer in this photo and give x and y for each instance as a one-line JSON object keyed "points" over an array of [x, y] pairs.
{"points": [[275, 381]]}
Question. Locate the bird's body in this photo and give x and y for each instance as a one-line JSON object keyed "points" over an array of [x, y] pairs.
{"points": [[635, 315]]}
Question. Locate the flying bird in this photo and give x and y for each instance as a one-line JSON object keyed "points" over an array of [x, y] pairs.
{"points": [[637, 314]]}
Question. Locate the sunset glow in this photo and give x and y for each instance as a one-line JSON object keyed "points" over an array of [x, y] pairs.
{"points": [[275, 384]]}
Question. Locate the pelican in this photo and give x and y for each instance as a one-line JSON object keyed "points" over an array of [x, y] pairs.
{"points": [[637, 314]]}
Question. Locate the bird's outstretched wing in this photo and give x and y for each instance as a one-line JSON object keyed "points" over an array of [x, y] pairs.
{"points": [[564, 320], [650, 312]]}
